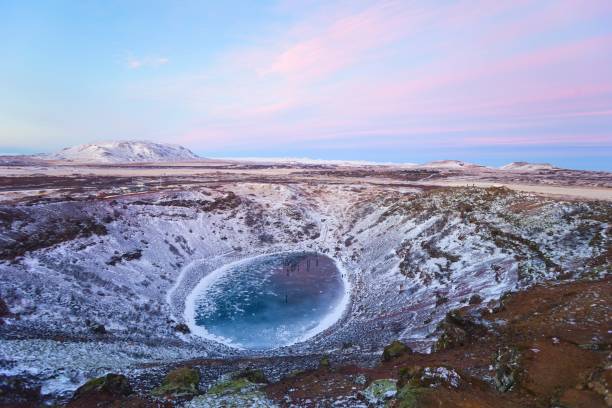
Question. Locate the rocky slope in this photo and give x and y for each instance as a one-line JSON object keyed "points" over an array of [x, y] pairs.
{"points": [[97, 285]]}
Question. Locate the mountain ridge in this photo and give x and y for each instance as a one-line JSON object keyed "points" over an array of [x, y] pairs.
{"points": [[139, 151]]}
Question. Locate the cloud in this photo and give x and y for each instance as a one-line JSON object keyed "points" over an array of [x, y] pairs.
{"points": [[137, 63], [410, 72]]}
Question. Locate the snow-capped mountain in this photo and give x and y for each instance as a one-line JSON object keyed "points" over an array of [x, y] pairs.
{"points": [[525, 166], [125, 152]]}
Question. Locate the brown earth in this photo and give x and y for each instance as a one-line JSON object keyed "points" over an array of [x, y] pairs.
{"points": [[560, 332]]}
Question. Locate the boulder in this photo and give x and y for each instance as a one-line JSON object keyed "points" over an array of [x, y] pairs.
{"points": [[97, 328], [456, 330], [380, 391], [182, 381], [4, 309], [475, 299], [254, 376], [409, 374], [409, 396], [108, 387], [506, 363], [182, 328], [395, 349]]}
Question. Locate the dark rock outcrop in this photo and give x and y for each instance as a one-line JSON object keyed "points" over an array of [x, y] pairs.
{"points": [[506, 365], [395, 349], [101, 391], [4, 309], [457, 330]]}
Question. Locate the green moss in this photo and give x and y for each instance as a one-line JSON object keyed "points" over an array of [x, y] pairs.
{"points": [[93, 384], [180, 381], [377, 390], [114, 384], [324, 362], [408, 396], [254, 376], [395, 349], [234, 386], [407, 374]]}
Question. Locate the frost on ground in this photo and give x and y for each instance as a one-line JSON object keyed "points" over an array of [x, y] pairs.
{"points": [[110, 276]]}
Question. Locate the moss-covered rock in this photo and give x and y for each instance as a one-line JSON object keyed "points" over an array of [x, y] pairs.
{"points": [[324, 362], [408, 374], [115, 385], [254, 376], [409, 395], [180, 382], [232, 386], [456, 330], [233, 393], [380, 391], [395, 349]]}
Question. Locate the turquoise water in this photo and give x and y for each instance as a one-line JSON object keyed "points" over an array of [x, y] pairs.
{"points": [[270, 301]]}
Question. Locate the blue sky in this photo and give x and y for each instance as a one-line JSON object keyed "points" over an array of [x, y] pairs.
{"points": [[483, 81]]}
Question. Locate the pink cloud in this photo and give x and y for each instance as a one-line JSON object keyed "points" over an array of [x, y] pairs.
{"points": [[426, 70], [345, 41]]}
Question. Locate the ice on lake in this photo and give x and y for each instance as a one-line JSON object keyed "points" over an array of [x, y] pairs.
{"points": [[269, 301]]}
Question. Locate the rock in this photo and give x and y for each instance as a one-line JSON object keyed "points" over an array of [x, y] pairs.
{"points": [[379, 391], [506, 363], [4, 309], [254, 376], [237, 392], [435, 376], [360, 379], [19, 392], [456, 330], [181, 381], [98, 328], [475, 300], [234, 386], [406, 374], [428, 377], [182, 328], [395, 349], [109, 387]]}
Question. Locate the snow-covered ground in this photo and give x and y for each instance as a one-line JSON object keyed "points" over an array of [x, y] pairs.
{"points": [[130, 263]]}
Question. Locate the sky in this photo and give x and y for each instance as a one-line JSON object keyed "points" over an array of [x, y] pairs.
{"points": [[402, 81]]}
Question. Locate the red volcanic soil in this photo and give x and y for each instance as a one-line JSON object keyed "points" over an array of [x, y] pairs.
{"points": [[558, 333]]}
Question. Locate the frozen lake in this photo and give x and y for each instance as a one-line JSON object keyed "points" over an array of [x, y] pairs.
{"points": [[268, 301]]}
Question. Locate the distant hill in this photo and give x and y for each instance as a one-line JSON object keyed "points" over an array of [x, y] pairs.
{"points": [[451, 164], [125, 152], [525, 166]]}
